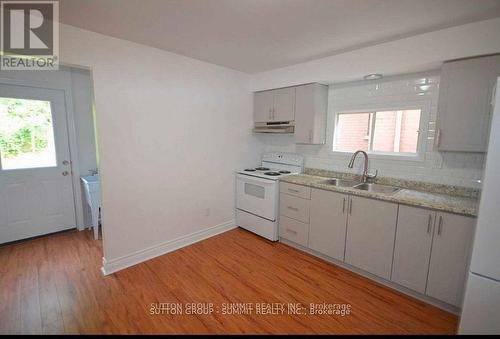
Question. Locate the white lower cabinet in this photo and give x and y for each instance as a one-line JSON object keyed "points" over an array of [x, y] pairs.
{"points": [[421, 249], [328, 219], [450, 257], [432, 253], [370, 235], [412, 250], [294, 213], [294, 207], [294, 230]]}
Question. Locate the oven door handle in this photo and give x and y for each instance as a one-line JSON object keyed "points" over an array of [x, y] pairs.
{"points": [[251, 179]]}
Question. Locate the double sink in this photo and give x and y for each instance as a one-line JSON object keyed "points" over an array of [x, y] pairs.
{"points": [[369, 187]]}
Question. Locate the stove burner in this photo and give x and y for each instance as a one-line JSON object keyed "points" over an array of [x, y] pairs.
{"points": [[285, 172], [250, 170], [262, 169], [272, 173]]}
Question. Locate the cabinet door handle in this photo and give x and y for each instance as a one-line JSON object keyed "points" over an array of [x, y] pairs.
{"points": [[293, 208], [270, 114], [350, 206], [274, 113], [493, 98], [438, 137], [343, 205], [310, 135], [291, 231], [429, 224], [293, 190], [440, 225]]}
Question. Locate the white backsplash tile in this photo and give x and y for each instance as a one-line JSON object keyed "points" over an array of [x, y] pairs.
{"points": [[453, 168]]}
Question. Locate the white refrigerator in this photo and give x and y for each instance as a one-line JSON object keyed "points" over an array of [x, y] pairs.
{"points": [[481, 309]]}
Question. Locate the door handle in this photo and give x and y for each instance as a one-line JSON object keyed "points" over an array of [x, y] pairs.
{"points": [[343, 205], [350, 206], [440, 226], [65, 173], [293, 208], [429, 224]]}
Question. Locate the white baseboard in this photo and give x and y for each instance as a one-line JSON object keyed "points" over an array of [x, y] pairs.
{"points": [[115, 265]]}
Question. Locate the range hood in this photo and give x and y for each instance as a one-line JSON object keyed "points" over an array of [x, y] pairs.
{"points": [[274, 127]]}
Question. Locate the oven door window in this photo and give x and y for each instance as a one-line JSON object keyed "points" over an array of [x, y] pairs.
{"points": [[255, 190]]}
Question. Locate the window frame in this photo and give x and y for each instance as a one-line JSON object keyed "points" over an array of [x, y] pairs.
{"points": [[423, 105]]}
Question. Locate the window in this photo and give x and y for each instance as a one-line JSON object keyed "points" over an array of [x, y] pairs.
{"points": [[26, 134], [386, 132]]}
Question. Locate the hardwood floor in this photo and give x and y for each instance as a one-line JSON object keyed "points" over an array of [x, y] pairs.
{"points": [[54, 285]]}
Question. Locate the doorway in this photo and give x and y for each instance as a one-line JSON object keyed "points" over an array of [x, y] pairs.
{"points": [[36, 188]]}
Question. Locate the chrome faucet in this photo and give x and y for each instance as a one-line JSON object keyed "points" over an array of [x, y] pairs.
{"points": [[366, 175]]}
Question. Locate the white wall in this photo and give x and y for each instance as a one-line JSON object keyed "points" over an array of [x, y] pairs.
{"points": [[171, 131], [414, 54], [462, 169]]}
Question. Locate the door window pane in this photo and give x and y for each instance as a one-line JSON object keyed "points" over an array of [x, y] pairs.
{"points": [[26, 134]]}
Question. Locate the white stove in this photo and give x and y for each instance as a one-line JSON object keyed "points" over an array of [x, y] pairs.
{"points": [[257, 192]]}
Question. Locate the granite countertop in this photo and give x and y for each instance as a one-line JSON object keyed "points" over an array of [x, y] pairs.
{"points": [[442, 202]]}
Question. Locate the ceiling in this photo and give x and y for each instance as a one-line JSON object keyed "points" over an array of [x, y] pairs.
{"points": [[258, 35]]}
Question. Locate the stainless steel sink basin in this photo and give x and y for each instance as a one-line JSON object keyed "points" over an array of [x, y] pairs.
{"points": [[376, 188], [339, 182]]}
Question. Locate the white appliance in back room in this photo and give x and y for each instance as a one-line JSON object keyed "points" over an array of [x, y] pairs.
{"points": [[481, 309], [257, 192]]}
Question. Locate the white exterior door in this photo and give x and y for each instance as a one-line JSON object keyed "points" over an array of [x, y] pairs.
{"points": [[36, 192]]}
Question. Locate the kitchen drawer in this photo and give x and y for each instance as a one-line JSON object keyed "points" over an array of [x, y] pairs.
{"points": [[294, 230], [296, 190], [294, 207]]}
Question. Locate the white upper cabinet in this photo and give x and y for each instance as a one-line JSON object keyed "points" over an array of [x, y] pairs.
{"points": [[413, 247], [328, 219], [263, 106], [305, 105], [370, 237], [284, 104], [450, 256], [311, 103], [464, 107], [275, 105]]}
